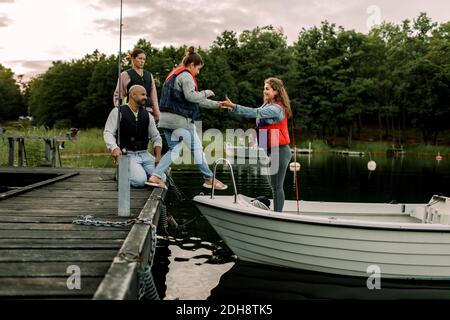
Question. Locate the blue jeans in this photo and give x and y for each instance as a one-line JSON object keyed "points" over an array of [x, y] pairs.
{"points": [[175, 138], [280, 158], [142, 165]]}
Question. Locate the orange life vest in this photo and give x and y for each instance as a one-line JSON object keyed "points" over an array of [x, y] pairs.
{"points": [[179, 70], [277, 133]]}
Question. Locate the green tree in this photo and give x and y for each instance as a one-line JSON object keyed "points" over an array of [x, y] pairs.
{"points": [[56, 96], [11, 100], [98, 102]]}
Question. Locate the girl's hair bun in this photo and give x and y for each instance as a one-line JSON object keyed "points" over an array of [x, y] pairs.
{"points": [[190, 50]]}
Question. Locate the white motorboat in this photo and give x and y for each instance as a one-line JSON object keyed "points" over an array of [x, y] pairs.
{"points": [[398, 241], [244, 154]]}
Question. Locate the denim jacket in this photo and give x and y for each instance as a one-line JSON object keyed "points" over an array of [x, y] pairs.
{"points": [[268, 113]]}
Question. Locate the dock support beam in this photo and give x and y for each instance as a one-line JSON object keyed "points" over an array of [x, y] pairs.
{"points": [[124, 186]]}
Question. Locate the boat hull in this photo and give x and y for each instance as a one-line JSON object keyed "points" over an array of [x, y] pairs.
{"points": [[343, 249]]}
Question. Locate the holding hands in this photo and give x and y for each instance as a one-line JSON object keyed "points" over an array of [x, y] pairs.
{"points": [[227, 104]]}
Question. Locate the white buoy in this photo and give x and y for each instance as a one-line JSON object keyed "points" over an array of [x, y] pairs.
{"points": [[371, 165], [294, 166]]}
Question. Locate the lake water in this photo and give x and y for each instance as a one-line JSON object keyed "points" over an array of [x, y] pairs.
{"points": [[195, 264]]}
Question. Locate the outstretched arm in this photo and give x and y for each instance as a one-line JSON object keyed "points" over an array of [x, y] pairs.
{"points": [[194, 96], [270, 110]]}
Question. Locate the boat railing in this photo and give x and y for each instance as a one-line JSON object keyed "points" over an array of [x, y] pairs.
{"points": [[224, 161]]}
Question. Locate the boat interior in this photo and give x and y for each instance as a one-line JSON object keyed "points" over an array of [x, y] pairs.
{"points": [[436, 211]]}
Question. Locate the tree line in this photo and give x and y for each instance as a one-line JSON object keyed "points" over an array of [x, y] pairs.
{"points": [[395, 78]]}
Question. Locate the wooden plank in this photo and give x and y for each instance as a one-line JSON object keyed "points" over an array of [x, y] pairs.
{"points": [[74, 206], [34, 255], [46, 170], [52, 269], [35, 219], [35, 185], [60, 244], [70, 184], [63, 211], [46, 234], [112, 194], [56, 227], [120, 281], [67, 201], [93, 202], [38, 240], [94, 177], [46, 287], [46, 219]]}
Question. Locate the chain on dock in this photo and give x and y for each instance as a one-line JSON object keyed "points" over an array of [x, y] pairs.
{"points": [[89, 220]]}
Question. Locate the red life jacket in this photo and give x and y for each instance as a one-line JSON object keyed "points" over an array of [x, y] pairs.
{"points": [[278, 132], [179, 70]]}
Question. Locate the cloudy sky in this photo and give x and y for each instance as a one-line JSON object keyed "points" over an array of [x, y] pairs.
{"points": [[35, 32]]}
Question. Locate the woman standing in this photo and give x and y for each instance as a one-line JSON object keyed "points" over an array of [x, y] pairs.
{"points": [[180, 102], [137, 75], [271, 120]]}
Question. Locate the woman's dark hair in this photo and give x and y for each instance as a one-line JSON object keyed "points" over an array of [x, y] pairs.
{"points": [[282, 95], [191, 56], [136, 52]]}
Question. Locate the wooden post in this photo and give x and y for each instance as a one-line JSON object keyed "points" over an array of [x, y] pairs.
{"points": [[124, 186], [54, 151], [11, 151], [21, 143], [47, 156]]}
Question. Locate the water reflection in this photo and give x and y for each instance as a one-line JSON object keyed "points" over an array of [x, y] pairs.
{"points": [[189, 268], [251, 281]]}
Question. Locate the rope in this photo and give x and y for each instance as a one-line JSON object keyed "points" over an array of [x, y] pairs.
{"points": [[147, 287], [182, 197], [295, 160], [163, 217], [178, 192]]}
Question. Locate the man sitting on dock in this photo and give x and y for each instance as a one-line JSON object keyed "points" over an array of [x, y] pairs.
{"points": [[137, 126]]}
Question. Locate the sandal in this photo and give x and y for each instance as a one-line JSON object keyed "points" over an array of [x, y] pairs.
{"points": [[217, 186], [157, 184]]}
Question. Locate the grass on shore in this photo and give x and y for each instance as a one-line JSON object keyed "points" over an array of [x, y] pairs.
{"points": [[89, 150]]}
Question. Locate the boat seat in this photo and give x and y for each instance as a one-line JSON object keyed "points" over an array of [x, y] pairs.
{"points": [[419, 212], [437, 211]]}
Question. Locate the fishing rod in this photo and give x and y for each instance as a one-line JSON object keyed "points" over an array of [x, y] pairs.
{"points": [[123, 175], [120, 78]]}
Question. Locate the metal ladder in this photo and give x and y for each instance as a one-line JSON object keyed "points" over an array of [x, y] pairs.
{"points": [[224, 161]]}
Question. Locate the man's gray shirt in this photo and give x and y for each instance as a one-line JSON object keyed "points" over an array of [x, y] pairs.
{"points": [[110, 132]]}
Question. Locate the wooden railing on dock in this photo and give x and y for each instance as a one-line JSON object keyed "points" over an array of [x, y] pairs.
{"points": [[51, 148], [121, 280]]}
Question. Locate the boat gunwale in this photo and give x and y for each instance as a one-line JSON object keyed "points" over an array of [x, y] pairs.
{"points": [[358, 224]]}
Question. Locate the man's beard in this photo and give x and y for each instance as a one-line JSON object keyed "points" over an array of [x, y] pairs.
{"points": [[142, 102]]}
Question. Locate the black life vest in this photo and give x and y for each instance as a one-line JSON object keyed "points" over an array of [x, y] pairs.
{"points": [[145, 81], [134, 132]]}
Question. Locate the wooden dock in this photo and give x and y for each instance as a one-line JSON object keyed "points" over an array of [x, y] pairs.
{"points": [[349, 153], [41, 250]]}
